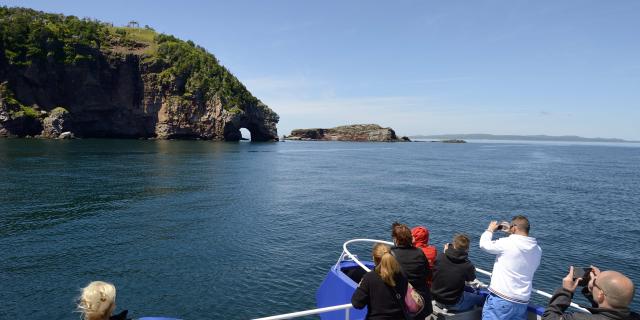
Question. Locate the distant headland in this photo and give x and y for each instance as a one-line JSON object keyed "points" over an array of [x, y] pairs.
{"points": [[483, 136], [355, 132]]}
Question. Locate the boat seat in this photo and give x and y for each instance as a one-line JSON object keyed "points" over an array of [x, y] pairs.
{"points": [[355, 273]]}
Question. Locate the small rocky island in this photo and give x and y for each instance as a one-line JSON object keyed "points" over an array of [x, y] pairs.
{"points": [[356, 132], [61, 76]]}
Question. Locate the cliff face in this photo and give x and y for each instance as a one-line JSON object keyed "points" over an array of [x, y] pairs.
{"points": [[126, 88], [357, 132]]}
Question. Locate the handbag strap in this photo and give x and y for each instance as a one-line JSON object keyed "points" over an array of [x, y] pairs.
{"points": [[400, 298]]}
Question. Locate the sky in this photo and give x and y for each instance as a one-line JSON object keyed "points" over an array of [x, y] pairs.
{"points": [[420, 67]]}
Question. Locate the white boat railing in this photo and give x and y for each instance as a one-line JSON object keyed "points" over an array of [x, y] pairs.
{"points": [[348, 306], [310, 312]]}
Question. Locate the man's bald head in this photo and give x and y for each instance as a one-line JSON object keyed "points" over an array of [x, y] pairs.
{"points": [[617, 288]]}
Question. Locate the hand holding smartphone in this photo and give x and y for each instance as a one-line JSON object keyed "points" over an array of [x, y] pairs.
{"points": [[584, 273]]}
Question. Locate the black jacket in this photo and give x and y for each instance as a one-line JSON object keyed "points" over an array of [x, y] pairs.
{"points": [[416, 268], [381, 299], [562, 299], [451, 270]]}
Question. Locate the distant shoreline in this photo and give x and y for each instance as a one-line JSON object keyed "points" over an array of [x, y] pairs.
{"points": [[482, 136]]}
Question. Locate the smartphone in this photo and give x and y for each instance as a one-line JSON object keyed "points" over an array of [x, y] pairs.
{"points": [[584, 273]]}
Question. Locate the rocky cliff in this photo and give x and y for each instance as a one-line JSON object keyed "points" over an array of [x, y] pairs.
{"points": [[356, 132], [63, 74]]}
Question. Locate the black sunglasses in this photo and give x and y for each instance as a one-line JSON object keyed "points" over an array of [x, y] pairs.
{"points": [[597, 286]]}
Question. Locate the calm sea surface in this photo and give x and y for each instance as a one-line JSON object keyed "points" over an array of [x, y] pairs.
{"points": [[239, 230]]}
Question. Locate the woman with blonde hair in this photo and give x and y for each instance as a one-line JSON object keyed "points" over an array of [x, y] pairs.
{"points": [[382, 290], [97, 302]]}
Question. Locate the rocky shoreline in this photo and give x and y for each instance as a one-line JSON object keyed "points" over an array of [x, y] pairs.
{"points": [[355, 132], [453, 141]]}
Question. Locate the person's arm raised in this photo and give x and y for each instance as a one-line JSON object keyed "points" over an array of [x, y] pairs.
{"points": [[486, 242], [561, 299], [587, 290]]}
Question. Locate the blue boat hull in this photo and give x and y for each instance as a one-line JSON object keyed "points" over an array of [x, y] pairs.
{"points": [[337, 288]]}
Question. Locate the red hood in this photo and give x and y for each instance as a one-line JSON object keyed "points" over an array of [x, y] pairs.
{"points": [[420, 236]]}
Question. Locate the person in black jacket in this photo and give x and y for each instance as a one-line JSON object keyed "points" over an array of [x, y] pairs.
{"points": [[452, 270], [610, 293], [382, 290], [414, 264]]}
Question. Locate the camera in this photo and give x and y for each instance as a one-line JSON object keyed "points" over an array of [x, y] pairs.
{"points": [[504, 226]]}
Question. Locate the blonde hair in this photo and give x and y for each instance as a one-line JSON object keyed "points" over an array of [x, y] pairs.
{"points": [[386, 265], [97, 301]]}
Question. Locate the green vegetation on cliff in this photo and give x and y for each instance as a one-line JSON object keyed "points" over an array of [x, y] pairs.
{"points": [[59, 110], [15, 108], [203, 74], [32, 37]]}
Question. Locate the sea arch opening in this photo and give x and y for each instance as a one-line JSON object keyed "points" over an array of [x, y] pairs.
{"points": [[249, 131], [245, 134]]}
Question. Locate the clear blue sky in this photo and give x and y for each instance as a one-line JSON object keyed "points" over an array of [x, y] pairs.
{"points": [[420, 67]]}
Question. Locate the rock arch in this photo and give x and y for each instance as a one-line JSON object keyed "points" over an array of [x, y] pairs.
{"points": [[259, 120]]}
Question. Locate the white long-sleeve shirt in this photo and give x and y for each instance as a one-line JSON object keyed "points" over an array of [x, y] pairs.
{"points": [[517, 258]]}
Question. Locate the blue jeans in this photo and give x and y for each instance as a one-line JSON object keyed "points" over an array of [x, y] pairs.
{"points": [[467, 302], [496, 308]]}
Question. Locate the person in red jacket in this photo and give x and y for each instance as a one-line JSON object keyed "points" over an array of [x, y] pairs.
{"points": [[421, 240]]}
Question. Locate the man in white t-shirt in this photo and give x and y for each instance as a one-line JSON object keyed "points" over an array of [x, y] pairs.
{"points": [[517, 258]]}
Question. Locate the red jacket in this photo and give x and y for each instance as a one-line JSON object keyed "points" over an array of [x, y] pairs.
{"points": [[421, 240]]}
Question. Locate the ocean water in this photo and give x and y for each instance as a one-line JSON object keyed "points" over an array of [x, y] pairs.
{"points": [[205, 230]]}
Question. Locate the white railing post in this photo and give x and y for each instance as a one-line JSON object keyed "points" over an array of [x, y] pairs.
{"points": [[346, 313]]}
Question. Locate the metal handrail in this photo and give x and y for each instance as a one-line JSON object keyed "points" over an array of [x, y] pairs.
{"points": [[292, 315], [354, 257]]}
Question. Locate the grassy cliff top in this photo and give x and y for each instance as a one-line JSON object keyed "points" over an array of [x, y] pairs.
{"points": [[33, 37]]}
